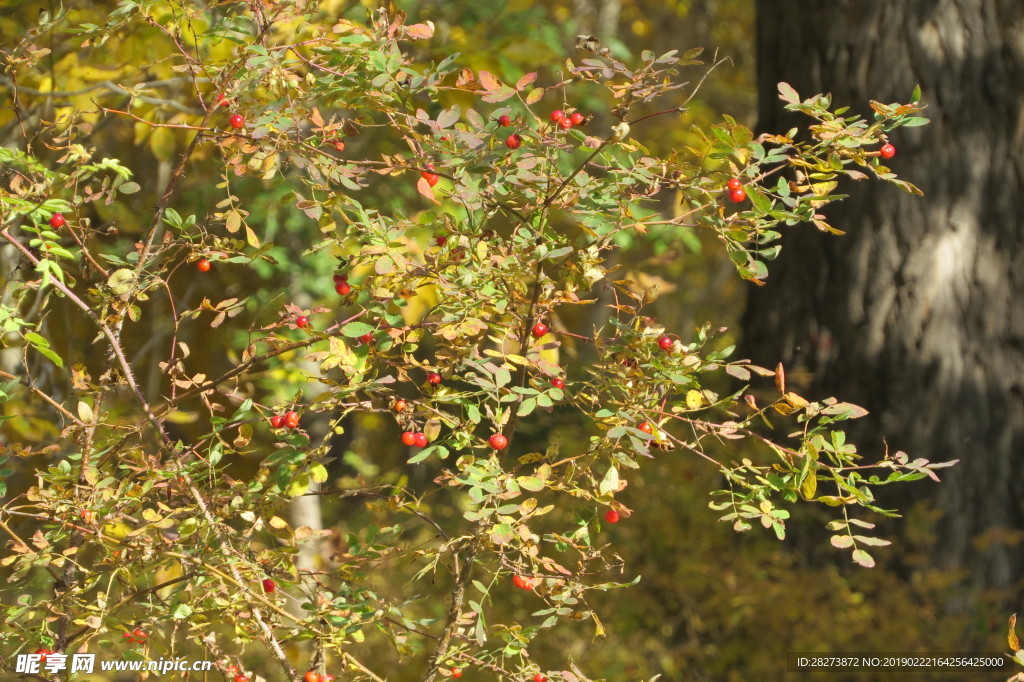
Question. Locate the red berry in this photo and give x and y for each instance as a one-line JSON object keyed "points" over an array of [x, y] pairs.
{"points": [[343, 288], [737, 195], [611, 516], [269, 585], [440, 240], [339, 278], [241, 678], [734, 183], [565, 123], [539, 678], [456, 673], [311, 677], [577, 118], [277, 421], [409, 438], [420, 440], [43, 653], [887, 151], [513, 141], [433, 378], [338, 145], [558, 382], [203, 265], [557, 115], [236, 121], [504, 120], [301, 321], [646, 427], [139, 633], [498, 441], [232, 669], [444, 138], [57, 220], [539, 330], [366, 339], [430, 177], [399, 405], [519, 582], [665, 343], [291, 419]]}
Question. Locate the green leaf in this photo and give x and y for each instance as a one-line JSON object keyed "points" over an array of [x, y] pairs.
{"points": [[357, 329], [531, 483], [863, 558], [610, 482], [501, 533]]}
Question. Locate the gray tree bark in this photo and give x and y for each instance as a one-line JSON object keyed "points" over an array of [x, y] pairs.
{"points": [[915, 312]]}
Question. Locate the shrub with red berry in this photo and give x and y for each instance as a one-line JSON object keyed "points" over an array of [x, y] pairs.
{"points": [[428, 394]]}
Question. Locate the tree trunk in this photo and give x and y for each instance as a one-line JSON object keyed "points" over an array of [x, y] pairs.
{"points": [[914, 313]]}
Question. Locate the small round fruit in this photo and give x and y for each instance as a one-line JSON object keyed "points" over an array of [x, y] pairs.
{"points": [[301, 321], [646, 427], [311, 676], [498, 441], [557, 115], [504, 120], [734, 183], [577, 118], [665, 343], [399, 405], [43, 653], [433, 378], [269, 585], [558, 382], [428, 175], [343, 288], [366, 339], [519, 581], [612, 516], [57, 220], [539, 330], [737, 195], [241, 678], [236, 120], [339, 278], [87, 516], [232, 669], [203, 265], [420, 440], [565, 123], [539, 678], [277, 421], [440, 240], [409, 438], [456, 673], [887, 151], [513, 141], [291, 419]]}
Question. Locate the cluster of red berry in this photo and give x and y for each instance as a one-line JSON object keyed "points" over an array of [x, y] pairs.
{"points": [[136, 636], [341, 284], [736, 191], [567, 121], [289, 419], [413, 439], [524, 583]]}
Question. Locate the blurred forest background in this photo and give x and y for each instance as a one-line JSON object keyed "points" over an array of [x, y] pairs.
{"points": [[927, 332]]}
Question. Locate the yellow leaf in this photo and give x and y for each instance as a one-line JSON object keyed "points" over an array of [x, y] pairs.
{"points": [[694, 399]]}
